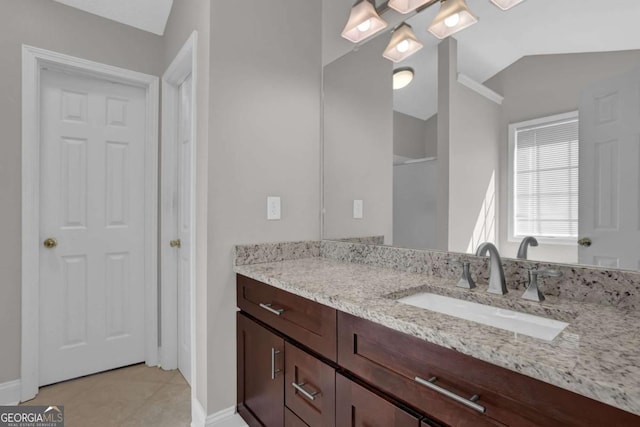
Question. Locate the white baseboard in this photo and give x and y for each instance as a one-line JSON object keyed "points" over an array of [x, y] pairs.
{"points": [[10, 392], [198, 416], [225, 418]]}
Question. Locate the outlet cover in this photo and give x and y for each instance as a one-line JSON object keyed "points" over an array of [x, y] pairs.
{"points": [[358, 208], [273, 208]]}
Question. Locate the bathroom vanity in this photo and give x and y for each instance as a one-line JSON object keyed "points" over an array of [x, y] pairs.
{"points": [[323, 343]]}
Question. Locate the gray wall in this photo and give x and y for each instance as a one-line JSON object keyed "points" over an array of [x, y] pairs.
{"points": [[358, 143], [539, 86], [447, 69], [472, 149], [414, 205], [53, 26], [473, 169], [431, 136], [264, 139], [187, 16], [409, 136], [413, 137]]}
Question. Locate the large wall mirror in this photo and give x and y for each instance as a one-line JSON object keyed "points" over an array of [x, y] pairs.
{"points": [[524, 124]]}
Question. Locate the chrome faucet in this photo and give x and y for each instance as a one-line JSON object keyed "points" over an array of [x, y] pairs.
{"points": [[497, 284], [524, 245]]}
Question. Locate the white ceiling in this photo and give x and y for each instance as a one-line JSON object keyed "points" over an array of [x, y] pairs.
{"points": [[147, 15], [501, 38]]}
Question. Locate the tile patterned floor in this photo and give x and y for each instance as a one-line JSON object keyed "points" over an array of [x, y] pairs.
{"points": [[135, 396]]}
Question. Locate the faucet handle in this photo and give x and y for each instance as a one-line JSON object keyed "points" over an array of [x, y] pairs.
{"points": [[466, 281], [533, 292]]}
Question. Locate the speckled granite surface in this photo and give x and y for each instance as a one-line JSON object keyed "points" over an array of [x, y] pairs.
{"points": [[597, 355], [272, 252], [369, 240], [619, 288]]}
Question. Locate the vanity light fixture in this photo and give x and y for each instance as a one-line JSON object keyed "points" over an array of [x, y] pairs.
{"points": [[454, 16], [406, 6], [403, 44], [402, 77], [506, 4], [363, 22]]}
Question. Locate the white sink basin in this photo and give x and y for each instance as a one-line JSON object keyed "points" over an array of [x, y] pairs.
{"points": [[520, 323]]}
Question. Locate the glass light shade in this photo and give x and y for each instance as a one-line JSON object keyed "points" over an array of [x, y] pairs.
{"points": [[363, 22], [403, 44], [445, 22], [402, 77], [406, 6], [506, 4]]}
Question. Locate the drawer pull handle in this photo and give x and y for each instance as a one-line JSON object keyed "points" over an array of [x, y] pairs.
{"points": [[471, 403], [305, 393], [274, 371], [276, 311]]}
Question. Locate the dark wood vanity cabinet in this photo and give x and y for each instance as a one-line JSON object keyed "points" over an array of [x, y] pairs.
{"points": [[292, 420], [260, 374], [304, 364], [358, 407], [290, 361], [307, 322], [310, 387], [399, 365]]}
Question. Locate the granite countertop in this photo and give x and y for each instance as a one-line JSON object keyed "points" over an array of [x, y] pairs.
{"points": [[597, 355]]}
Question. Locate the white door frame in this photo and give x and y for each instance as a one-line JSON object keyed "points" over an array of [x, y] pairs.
{"points": [[34, 60], [184, 64]]}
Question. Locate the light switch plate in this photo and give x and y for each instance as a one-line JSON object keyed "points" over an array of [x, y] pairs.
{"points": [[273, 208], [358, 208]]}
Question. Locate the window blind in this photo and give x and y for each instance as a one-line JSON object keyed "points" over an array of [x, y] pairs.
{"points": [[546, 180]]}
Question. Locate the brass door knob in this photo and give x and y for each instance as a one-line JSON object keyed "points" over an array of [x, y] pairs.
{"points": [[585, 241], [50, 243], [175, 243]]}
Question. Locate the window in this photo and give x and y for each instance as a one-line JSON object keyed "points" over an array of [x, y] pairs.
{"points": [[543, 178]]}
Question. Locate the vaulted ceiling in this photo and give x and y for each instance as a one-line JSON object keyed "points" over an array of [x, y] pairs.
{"points": [[499, 39], [147, 15]]}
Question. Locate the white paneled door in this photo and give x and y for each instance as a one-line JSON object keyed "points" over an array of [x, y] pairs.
{"points": [[92, 226], [609, 179], [184, 227]]}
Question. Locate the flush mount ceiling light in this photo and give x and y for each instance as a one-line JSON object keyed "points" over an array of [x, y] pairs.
{"points": [[402, 77], [363, 22], [506, 4], [403, 44], [406, 6], [454, 16]]}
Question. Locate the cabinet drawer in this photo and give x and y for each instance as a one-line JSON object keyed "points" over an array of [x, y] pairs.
{"points": [[311, 324], [392, 360], [310, 387], [358, 407], [292, 420]]}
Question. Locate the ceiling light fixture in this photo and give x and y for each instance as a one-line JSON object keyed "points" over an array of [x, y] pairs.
{"points": [[454, 16], [506, 4], [403, 44], [363, 22], [406, 6], [402, 77]]}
